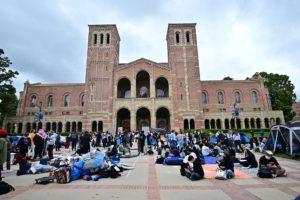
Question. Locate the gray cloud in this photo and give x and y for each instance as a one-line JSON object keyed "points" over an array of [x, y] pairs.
{"points": [[46, 40]]}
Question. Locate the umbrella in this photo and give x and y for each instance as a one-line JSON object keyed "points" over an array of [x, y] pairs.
{"points": [[42, 133], [3, 132]]}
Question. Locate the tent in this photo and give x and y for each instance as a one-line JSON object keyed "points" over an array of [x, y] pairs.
{"points": [[285, 138]]}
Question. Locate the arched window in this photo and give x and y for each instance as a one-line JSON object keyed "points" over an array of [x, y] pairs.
{"points": [[95, 39], [101, 38], [204, 98], [192, 124], [237, 96], [187, 37], [186, 124], [50, 101], [162, 87], [124, 88], [67, 101], [107, 38], [254, 97], [33, 101], [143, 85], [220, 98], [82, 100], [177, 37], [218, 123]]}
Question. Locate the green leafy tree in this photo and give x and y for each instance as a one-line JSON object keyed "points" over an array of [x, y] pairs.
{"points": [[8, 99], [227, 78], [281, 91]]}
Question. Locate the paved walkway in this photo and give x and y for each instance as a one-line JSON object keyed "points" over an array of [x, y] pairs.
{"points": [[150, 181]]}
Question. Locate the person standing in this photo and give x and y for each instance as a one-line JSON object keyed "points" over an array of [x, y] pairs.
{"points": [[39, 146], [32, 149], [3, 150], [57, 142], [74, 140], [50, 145], [23, 144]]}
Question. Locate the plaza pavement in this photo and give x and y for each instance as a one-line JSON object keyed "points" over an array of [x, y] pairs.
{"points": [[153, 182]]}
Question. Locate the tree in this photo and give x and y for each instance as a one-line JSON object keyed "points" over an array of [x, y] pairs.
{"points": [[227, 78], [8, 99], [281, 91]]}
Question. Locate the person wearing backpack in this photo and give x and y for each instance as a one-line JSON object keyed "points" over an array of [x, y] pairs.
{"points": [[3, 150]]}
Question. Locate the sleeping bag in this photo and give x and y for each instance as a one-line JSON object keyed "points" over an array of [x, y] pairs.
{"points": [[173, 161]]}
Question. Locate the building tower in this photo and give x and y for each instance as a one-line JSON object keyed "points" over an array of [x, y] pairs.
{"points": [[102, 58], [183, 59]]}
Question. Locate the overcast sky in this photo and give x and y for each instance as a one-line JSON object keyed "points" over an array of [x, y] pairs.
{"points": [[47, 40]]}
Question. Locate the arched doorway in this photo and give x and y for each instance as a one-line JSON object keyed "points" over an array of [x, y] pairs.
{"points": [[123, 119], [238, 123], [68, 127], [73, 126], [186, 124], [54, 128], [124, 88], [206, 123], [28, 127], [143, 118], [79, 126], [232, 123], [59, 127], [212, 124], [34, 126], [267, 125], [161, 87], [278, 121], [40, 125], [192, 124], [94, 126], [252, 122], [218, 123], [48, 126], [100, 126], [247, 123], [258, 123], [143, 84], [163, 118], [20, 127], [226, 122]]}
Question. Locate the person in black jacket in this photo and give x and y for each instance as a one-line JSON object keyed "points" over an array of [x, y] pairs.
{"points": [[227, 165], [23, 144], [249, 160], [39, 146]]}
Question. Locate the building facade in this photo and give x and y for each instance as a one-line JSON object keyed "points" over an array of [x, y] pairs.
{"points": [[143, 92]]}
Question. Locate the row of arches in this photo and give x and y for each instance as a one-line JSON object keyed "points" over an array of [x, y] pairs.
{"points": [[99, 38], [50, 100], [221, 97], [143, 118], [236, 123], [142, 86], [48, 126], [187, 37]]}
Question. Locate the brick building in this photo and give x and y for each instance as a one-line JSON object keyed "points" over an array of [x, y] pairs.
{"points": [[143, 92]]}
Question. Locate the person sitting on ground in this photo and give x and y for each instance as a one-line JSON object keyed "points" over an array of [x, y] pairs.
{"points": [[227, 165], [217, 149], [249, 160], [268, 162], [22, 160], [193, 168], [206, 150]]}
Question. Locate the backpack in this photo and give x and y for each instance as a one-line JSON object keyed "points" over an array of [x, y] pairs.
{"points": [[62, 175], [5, 188], [44, 180]]}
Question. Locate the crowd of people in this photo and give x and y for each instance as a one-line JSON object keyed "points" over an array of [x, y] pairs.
{"points": [[191, 147]]}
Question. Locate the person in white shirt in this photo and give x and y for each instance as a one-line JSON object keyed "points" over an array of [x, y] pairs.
{"points": [[206, 151], [237, 141]]}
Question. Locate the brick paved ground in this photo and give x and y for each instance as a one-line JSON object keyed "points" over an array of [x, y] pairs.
{"points": [[150, 181]]}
